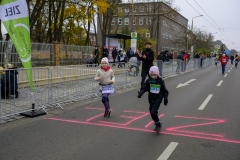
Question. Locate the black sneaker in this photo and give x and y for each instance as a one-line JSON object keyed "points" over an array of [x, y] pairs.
{"points": [[158, 127], [109, 113], [106, 113]]}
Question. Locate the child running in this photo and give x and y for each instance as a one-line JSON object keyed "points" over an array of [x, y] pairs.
{"points": [[216, 61], [223, 63], [106, 78], [156, 92]]}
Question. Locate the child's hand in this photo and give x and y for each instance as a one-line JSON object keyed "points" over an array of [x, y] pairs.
{"points": [[99, 78], [140, 55], [144, 56], [111, 82]]}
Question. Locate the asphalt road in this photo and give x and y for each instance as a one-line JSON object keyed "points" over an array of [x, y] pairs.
{"points": [[82, 133]]}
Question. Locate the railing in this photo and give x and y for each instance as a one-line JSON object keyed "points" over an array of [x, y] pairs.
{"points": [[60, 85]]}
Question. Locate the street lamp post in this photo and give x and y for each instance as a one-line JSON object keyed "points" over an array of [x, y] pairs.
{"points": [[193, 18], [187, 43]]}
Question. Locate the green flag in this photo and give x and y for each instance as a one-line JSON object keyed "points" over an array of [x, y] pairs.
{"points": [[14, 16]]}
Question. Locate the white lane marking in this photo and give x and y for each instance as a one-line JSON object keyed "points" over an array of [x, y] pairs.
{"points": [[229, 70], [186, 83], [205, 102], [219, 84], [168, 151], [225, 75]]}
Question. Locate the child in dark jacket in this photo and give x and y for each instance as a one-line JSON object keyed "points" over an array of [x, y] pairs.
{"points": [[156, 92]]}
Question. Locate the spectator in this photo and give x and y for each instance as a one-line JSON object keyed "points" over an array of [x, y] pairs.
{"points": [[161, 59], [114, 55], [147, 58], [170, 56], [121, 58], [96, 54], [128, 53], [9, 83], [105, 52], [178, 62]]}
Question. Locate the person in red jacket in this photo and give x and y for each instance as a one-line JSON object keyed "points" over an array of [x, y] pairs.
{"points": [[223, 63]]}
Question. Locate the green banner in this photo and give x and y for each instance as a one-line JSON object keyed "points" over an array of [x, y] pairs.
{"points": [[215, 50], [15, 18]]}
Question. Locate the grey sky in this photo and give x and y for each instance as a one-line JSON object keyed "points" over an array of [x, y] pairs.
{"points": [[224, 13]]}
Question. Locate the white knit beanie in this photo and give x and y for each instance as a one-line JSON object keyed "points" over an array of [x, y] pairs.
{"points": [[105, 60]]}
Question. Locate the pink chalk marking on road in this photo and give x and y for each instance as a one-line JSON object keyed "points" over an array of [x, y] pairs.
{"points": [[136, 112], [133, 119], [202, 118], [145, 130], [153, 121], [95, 108], [95, 116], [194, 125]]}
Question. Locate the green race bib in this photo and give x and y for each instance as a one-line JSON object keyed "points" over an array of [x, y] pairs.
{"points": [[155, 88]]}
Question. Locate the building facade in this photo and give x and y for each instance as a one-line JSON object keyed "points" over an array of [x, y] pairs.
{"points": [[161, 22]]}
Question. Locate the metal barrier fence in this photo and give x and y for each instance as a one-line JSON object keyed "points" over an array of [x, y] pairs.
{"points": [[67, 84], [16, 93]]}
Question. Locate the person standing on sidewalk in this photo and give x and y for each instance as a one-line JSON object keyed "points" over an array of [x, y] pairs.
{"points": [[106, 78], [223, 63], [147, 58], [114, 55], [96, 55], [161, 59], [156, 92], [105, 52]]}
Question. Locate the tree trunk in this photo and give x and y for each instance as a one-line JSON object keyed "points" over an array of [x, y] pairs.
{"points": [[56, 19], [61, 21]]}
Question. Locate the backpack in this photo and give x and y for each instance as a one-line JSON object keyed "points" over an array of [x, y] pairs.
{"points": [[179, 56]]}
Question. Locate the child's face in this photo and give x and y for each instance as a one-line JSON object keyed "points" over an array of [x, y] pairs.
{"points": [[154, 76], [104, 65]]}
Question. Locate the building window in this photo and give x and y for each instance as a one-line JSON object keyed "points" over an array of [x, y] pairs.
{"points": [[163, 35], [126, 21], [134, 20], [164, 23], [113, 21], [141, 21], [170, 36], [148, 20], [141, 8], [135, 9], [90, 37], [166, 35], [120, 9], [126, 9], [149, 9], [162, 47], [94, 38], [148, 34], [119, 21]]}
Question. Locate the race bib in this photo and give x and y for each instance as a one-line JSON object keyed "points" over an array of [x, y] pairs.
{"points": [[107, 89], [224, 60], [155, 88]]}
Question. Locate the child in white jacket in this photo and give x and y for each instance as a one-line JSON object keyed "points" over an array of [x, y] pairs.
{"points": [[106, 78]]}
